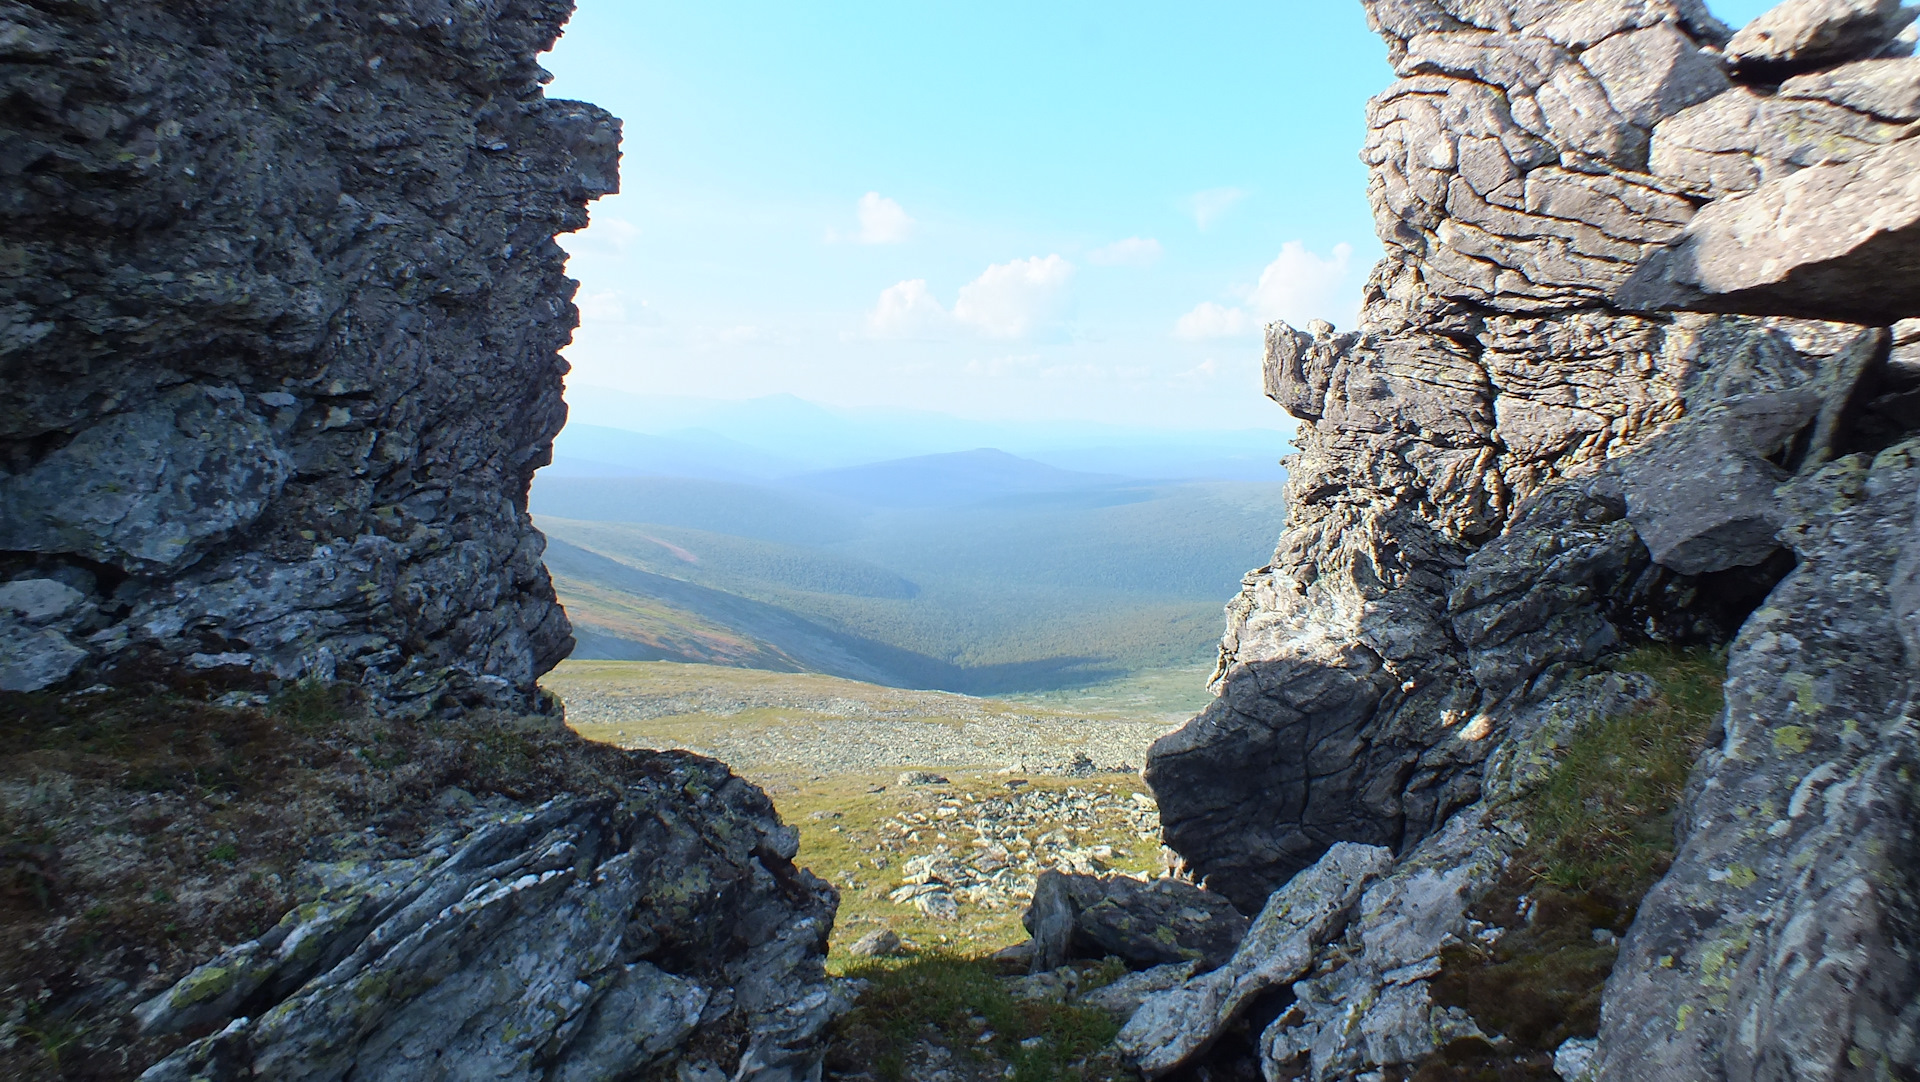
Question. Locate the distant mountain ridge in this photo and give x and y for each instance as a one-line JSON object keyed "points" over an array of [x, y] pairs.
{"points": [[953, 479], [612, 433]]}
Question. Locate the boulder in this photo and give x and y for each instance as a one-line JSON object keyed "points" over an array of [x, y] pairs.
{"points": [[1255, 789], [1173, 1026], [1654, 72], [1801, 34], [1887, 89], [39, 601], [1839, 241], [34, 658], [878, 943], [1702, 499], [1150, 923], [1742, 139], [1124, 996]]}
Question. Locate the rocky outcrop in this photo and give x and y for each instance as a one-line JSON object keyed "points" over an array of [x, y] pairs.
{"points": [[280, 312], [1634, 370], [278, 339], [585, 940], [1783, 944]]}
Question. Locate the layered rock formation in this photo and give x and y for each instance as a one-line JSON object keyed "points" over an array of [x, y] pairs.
{"points": [[280, 307], [1635, 355], [587, 940], [278, 336]]}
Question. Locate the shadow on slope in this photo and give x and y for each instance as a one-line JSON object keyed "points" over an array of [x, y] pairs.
{"points": [[771, 637]]}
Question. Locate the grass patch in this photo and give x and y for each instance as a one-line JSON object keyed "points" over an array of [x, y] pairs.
{"points": [[1604, 819], [959, 1005], [1601, 829]]}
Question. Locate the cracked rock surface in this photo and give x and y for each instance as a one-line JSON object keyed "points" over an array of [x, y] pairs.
{"points": [[278, 336], [1638, 367], [587, 939]]}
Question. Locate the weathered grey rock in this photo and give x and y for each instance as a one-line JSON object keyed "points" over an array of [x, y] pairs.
{"points": [[39, 601], [1781, 945], [1508, 161], [279, 333], [1299, 365], [1374, 1009], [876, 944], [1151, 923], [1702, 498], [149, 490], [1806, 33], [1741, 139], [1506, 474], [1535, 596], [1652, 73], [32, 658], [1887, 89], [587, 940], [1573, 1060], [1836, 241], [1172, 1027], [1124, 996]]}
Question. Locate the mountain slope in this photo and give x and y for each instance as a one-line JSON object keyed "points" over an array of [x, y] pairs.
{"points": [[955, 479]]}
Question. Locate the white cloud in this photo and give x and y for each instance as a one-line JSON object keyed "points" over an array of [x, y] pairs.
{"points": [[1298, 286], [1008, 300], [1132, 252], [1013, 299], [1211, 205], [1210, 320], [908, 310], [883, 221]]}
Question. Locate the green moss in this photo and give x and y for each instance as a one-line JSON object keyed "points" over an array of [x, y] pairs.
{"points": [[1791, 740]]}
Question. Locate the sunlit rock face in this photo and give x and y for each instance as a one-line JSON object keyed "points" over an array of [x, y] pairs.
{"points": [[1637, 367], [278, 339]]}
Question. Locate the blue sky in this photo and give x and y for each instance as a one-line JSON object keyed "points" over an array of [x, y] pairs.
{"points": [[999, 210]]}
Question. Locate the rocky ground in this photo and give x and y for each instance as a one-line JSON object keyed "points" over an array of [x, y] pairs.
{"points": [[933, 812], [782, 723]]}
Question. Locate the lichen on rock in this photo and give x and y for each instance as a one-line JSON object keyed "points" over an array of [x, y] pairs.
{"points": [[1633, 371]]}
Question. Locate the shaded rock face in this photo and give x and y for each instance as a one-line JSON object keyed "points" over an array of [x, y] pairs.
{"points": [[278, 334], [1638, 367]]}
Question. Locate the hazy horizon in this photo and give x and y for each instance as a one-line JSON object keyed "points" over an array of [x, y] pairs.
{"points": [[1003, 212]]}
